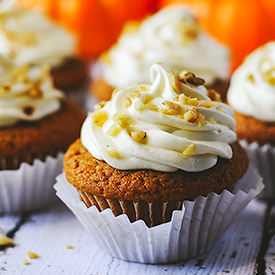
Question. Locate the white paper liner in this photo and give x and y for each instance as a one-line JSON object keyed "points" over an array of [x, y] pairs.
{"points": [[192, 230], [263, 159], [31, 186]]}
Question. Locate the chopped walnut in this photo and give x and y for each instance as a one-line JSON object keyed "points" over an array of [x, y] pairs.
{"points": [[127, 102], [187, 100], [32, 255], [212, 121], [251, 78], [214, 95], [170, 108], [100, 105], [146, 99], [189, 150], [113, 130], [99, 118], [120, 120], [201, 120], [191, 115], [5, 89], [269, 76], [113, 153], [191, 78], [139, 136], [152, 107], [143, 88], [25, 262], [4, 240], [35, 91], [208, 104], [134, 94]]}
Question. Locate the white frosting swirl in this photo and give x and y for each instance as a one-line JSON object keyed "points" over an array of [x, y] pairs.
{"points": [[165, 126], [30, 37], [252, 88], [171, 36], [27, 93]]}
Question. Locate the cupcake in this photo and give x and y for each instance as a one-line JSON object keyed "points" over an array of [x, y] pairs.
{"points": [[172, 36], [157, 169], [31, 37], [37, 124], [252, 96]]}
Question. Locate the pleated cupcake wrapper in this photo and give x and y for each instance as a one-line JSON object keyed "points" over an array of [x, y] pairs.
{"points": [[191, 231], [31, 186], [152, 213], [263, 159]]}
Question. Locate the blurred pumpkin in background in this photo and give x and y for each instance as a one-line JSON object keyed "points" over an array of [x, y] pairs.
{"points": [[96, 23], [243, 25]]}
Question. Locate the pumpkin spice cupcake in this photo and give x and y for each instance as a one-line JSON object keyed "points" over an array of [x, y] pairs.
{"points": [[252, 96], [172, 36], [165, 154], [37, 123], [31, 37]]}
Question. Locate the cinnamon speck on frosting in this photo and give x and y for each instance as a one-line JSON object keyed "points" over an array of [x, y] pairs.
{"points": [[28, 110]]}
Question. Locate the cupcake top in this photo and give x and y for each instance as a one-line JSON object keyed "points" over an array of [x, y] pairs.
{"points": [[252, 88], [31, 37], [170, 124], [27, 93], [172, 36]]}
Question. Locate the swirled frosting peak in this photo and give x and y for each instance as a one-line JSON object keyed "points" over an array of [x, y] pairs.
{"points": [[172, 36], [169, 124], [31, 37], [27, 94], [252, 88]]}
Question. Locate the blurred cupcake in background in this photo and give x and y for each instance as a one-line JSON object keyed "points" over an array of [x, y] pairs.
{"points": [[31, 37], [172, 36], [157, 175], [252, 96], [37, 124]]}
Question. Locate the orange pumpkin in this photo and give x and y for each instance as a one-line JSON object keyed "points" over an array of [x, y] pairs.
{"points": [[242, 25], [96, 23]]}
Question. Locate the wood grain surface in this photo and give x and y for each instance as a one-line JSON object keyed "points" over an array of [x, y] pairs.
{"points": [[243, 249]]}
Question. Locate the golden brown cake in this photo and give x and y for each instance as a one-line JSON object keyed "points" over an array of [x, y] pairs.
{"points": [[101, 185], [26, 141]]}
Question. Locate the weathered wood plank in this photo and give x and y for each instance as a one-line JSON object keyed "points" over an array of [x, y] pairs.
{"points": [[268, 262], [8, 222], [48, 234]]}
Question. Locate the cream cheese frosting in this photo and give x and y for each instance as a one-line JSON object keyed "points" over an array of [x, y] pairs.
{"points": [[31, 37], [167, 125], [27, 94], [252, 88], [172, 36]]}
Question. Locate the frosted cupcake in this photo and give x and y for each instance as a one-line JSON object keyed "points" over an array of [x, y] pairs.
{"points": [[31, 37], [156, 161], [172, 36], [252, 96], [37, 124]]}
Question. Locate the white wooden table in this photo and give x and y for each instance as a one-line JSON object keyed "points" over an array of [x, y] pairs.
{"points": [[248, 247]]}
